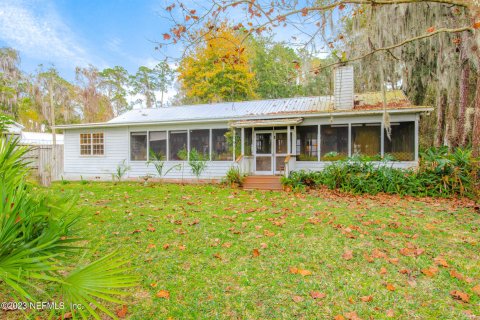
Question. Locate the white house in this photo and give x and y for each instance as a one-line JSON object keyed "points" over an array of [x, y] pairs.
{"points": [[272, 137]]}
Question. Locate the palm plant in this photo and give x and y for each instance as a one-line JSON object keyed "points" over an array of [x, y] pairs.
{"points": [[38, 246]]}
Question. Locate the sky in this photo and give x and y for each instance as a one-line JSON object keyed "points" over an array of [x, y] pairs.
{"points": [[104, 33], [70, 33]]}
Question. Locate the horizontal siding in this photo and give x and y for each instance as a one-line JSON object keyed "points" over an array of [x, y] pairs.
{"points": [[116, 150], [214, 170], [319, 165]]}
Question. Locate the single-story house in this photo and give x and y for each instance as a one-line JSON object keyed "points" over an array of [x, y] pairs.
{"points": [[271, 137]]}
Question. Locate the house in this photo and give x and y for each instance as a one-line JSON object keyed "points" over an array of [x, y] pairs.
{"points": [[272, 137]]}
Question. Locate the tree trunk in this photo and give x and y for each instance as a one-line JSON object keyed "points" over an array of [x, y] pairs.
{"points": [[476, 120], [441, 106], [463, 99]]}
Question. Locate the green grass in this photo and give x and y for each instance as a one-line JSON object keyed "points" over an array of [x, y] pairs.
{"points": [[210, 272]]}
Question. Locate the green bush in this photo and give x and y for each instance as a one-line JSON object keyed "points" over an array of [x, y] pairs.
{"points": [[234, 176], [440, 174], [39, 248]]}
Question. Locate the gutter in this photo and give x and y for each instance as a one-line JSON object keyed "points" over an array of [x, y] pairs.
{"points": [[258, 117]]}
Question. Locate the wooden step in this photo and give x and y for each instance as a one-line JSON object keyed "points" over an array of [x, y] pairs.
{"points": [[262, 183]]}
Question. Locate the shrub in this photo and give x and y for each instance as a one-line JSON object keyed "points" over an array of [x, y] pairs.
{"points": [[234, 176], [440, 174], [38, 247]]}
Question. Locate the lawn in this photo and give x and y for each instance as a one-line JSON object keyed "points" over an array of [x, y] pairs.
{"points": [[209, 252]]}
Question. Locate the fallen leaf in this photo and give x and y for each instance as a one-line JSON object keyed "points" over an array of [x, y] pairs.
{"points": [[297, 298], [164, 294], [390, 287], [352, 315], [255, 253], [347, 255], [458, 295], [317, 295], [390, 313], [476, 289], [431, 29], [263, 245], [153, 285], [339, 317], [166, 246], [121, 313], [430, 272], [383, 270], [67, 315], [457, 275], [304, 272], [181, 247], [440, 261], [476, 25], [367, 298]]}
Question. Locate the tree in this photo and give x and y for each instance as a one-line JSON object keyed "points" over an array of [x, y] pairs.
{"points": [[276, 67], [148, 81], [114, 82], [96, 107], [10, 81], [219, 70], [315, 20]]}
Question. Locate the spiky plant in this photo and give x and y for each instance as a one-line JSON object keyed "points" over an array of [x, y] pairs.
{"points": [[38, 246]]}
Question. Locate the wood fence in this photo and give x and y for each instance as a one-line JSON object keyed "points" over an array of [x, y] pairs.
{"points": [[40, 161]]}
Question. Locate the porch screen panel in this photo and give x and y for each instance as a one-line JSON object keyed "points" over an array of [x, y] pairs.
{"points": [[220, 148], [177, 145], [307, 143], [334, 142], [248, 141], [138, 146], [200, 141], [366, 139], [158, 144], [402, 145]]}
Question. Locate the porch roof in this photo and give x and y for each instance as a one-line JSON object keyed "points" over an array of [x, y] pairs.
{"points": [[265, 123]]}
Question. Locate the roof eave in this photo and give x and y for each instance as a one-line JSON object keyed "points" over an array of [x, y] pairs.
{"points": [[415, 109]]}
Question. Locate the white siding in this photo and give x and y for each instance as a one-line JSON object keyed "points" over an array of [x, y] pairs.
{"points": [[116, 150]]}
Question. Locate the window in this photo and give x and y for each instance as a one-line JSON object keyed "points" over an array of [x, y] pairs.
{"points": [[366, 139], [177, 144], [92, 144], [402, 144], [307, 143], [158, 144], [200, 141], [138, 146], [334, 142], [247, 143], [220, 149]]}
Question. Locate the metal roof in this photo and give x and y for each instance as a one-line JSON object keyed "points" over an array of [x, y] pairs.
{"points": [[227, 110], [366, 103]]}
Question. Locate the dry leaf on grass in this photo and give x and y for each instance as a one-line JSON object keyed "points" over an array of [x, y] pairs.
{"points": [[459, 295], [255, 253], [390, 287], [430, 272], [317, 295], [367, 298], [121, 313], [297, 299], [347, 255], [164, 294]]}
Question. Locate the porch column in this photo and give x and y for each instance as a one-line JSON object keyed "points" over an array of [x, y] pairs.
{"points": [[242, 138], [289, 151]]}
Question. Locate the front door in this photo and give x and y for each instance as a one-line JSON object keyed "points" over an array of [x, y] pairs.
{"points": [[270, 152], [263, 152]]}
